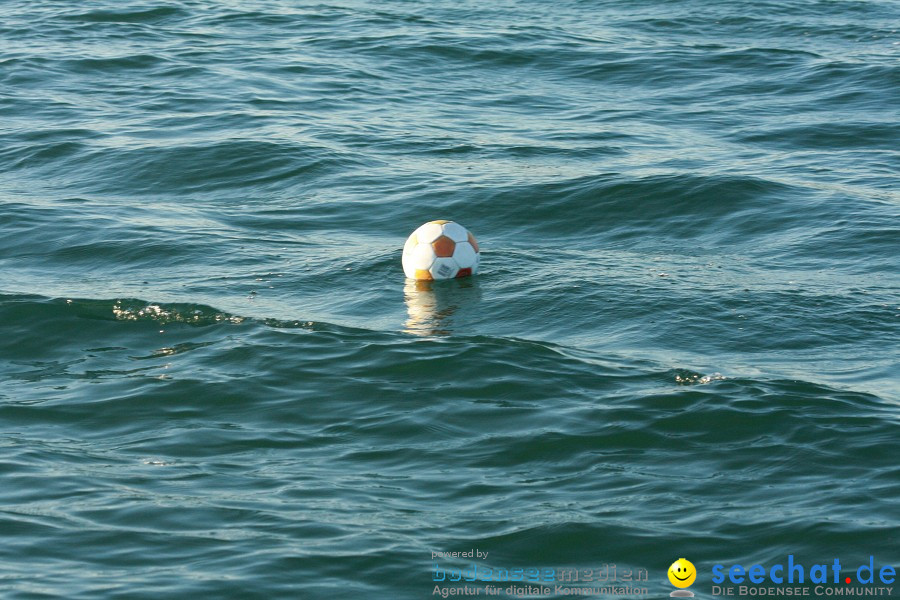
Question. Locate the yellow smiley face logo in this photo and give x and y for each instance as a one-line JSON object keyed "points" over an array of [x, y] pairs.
{"points": [[682, 573]]}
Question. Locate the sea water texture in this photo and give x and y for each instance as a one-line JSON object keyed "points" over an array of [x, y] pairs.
{"points": [[216, 382]]}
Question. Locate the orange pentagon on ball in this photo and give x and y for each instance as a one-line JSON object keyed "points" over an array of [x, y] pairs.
{"points": [[473, 242], [443, 246]]}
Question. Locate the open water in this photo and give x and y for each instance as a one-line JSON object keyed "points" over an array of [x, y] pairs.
{"points": [[215, 382]]}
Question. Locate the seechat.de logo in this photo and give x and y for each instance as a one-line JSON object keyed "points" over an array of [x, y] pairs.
{"points": [[795, 572]]}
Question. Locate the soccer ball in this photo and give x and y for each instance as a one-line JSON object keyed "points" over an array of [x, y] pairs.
{"points": [[440, 250]]}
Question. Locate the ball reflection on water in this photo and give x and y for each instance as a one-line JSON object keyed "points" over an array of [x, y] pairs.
{"points": [[437, 308]]}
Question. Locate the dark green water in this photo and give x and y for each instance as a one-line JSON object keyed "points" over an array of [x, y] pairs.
{"points": [[215, 382]]}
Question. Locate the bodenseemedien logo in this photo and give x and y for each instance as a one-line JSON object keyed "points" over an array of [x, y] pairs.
{"points": [[682, 574]]}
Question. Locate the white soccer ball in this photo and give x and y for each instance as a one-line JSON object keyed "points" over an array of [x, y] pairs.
{"points": [[440, 250]]}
